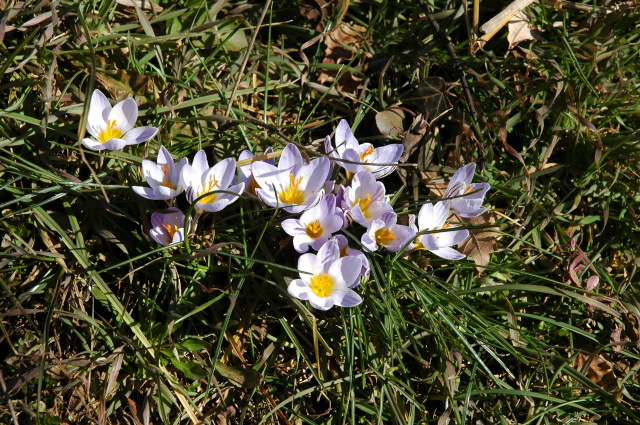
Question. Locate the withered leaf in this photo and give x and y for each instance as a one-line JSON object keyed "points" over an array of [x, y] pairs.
{"points": [[598, 370], [389, 122], [519, 29], [429, 98], [481, 243]]}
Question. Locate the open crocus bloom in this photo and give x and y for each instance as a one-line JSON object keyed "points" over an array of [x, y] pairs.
{"points": [[293, 185], [433, 219], [198, 180], [365, 200], [246, 171], [112, 128], [466, 198], [387, 233], [326, 279], [163, 177], [315, 225], [347, 147], [168, 227]]}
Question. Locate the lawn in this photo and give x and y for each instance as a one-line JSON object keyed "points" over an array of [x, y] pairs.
{"points": [[112, 313]]}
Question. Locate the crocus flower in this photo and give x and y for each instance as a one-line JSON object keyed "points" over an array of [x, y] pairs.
{"points": [[112, 128], [293, 185], [326, 279], [347, 147], [466, 198], [246, 171], [163, 177], [198, 180], [433, 218], [168, 227], [346, 250], [315, 226], [387, 233], [365, 200]]}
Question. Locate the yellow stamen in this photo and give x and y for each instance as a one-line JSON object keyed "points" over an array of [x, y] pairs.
{"points": [[444, 226], [365, 153], [292, 195], [171, 230], [209, 187], [364, 205], [321, 285], [110, 132], [467, 190], [314, 229], [384, 236], [165, 180], [418, 245]]}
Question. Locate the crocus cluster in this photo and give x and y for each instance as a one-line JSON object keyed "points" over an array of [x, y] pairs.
{"points": [[319, 208]]}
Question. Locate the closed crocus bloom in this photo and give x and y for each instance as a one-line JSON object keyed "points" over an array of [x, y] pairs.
{"points": [[163, 177], [215, 182], [326, 279], [347, 251], [315, 226], [440, 236], [346, 146], [112, 128], [466, 198], [246, 171], [387, 233], [293, 185], [168, 226], [365, 200]]}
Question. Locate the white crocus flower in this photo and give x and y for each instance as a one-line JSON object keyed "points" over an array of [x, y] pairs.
{"points": [[112, 128], [326, 279], [365, 200], [315, 226], [347, 147], [387, 233], [347, 251], [163, 177], [439, 237], [466, 198], [293, 185], [245, 174], [198, 180], [167, 227]]}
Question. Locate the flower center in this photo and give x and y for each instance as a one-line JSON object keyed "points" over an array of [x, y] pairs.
{"points": [[365, 153], [469, 189], [209, 187], [292, 195], [171, 230], [110, 132], [314, 229], [343, 251], [444, 226], [165, 180], [384, 236], [364, 205], [321, 285]]}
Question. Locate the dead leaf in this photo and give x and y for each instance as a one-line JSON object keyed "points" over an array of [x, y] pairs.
{"points": [[342, 44], [481, 243], [315, 12], [389, 122], [519, 29], [598, 370]]}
